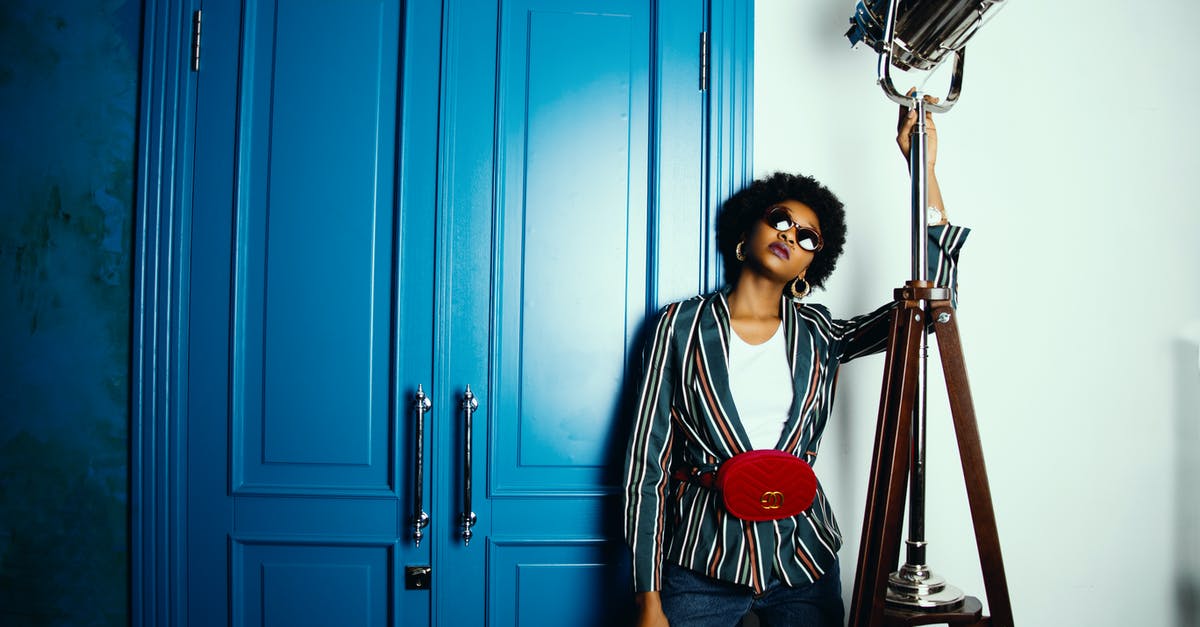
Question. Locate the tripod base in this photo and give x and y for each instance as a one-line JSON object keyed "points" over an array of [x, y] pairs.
{"points": [[970, 614], [918, 588]]}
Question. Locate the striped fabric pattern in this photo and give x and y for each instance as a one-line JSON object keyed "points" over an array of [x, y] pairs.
{"points": [[685, 417]]}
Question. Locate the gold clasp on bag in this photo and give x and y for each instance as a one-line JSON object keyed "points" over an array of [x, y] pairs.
{"points": [[771, 500]]}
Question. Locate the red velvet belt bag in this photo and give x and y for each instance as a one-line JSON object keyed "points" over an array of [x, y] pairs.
{"points": [[766, 485]]}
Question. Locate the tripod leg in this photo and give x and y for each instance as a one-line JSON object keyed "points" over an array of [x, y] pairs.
{"points": [[880, 546], [979, 495]]}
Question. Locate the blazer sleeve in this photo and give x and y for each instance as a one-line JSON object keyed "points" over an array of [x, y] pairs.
{"points": [[868, 333], [648, 456]]}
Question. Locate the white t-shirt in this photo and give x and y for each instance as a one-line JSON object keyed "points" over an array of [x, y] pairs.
{"points": [[761, 383]]}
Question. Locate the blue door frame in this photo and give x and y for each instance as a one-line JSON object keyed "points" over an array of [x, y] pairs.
{"points": [[163, 232]]}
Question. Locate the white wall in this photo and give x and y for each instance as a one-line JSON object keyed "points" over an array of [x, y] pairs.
{"points": [[1078, 175]]}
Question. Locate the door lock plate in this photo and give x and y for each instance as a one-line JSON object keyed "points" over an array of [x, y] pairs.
{"points": [[417, 577]]}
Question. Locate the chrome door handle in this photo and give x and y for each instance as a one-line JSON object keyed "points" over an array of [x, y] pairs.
{"points": [[467, 518], [420, 518]]}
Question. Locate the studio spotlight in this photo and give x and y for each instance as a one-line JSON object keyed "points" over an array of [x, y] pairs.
{"points": [[925, 29]]}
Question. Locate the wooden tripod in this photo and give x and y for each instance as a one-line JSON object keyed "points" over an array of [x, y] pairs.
{"points": [[917, 303]]}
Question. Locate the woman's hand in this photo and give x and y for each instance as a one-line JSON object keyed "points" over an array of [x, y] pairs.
{"points": [[650, 612], [904, 126]]}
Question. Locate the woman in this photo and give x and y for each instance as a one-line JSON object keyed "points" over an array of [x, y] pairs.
{"points": [[746, 368]]}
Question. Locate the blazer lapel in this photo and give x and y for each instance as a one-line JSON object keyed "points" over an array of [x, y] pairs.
{"points": [[800, 360], [711, 382]]}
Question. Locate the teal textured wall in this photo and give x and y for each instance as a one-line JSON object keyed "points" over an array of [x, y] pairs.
{"points": [[68, 97]]}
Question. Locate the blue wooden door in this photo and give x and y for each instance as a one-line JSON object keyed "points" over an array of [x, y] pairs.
{"points": [[390, 198], [551, 193]]}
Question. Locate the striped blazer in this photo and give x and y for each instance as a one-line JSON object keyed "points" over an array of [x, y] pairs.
{"points": [[686, 417]]}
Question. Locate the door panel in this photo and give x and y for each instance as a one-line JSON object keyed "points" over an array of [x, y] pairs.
{"points": [[551, 283], [571, 263], [564, 289], [305, 269], [526, 577], [313, 268], [285, 585]]}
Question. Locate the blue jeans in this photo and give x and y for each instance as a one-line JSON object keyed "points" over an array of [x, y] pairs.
{"points": [[690, 599]]}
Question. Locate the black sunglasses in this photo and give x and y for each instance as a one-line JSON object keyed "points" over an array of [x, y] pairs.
{"points": [[780, 220]]}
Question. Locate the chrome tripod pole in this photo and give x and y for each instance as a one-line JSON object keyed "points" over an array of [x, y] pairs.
{"points": [[915, 585], [918, 173]]}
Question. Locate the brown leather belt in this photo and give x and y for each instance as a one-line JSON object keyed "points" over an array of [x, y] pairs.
{"points": [[705, 478]]}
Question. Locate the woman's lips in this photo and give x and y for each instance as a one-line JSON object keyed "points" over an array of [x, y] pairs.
{"points": [[780, 251]]}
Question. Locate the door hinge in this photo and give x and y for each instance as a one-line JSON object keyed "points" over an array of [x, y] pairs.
{"points": [[704, 61], [196, 41]]}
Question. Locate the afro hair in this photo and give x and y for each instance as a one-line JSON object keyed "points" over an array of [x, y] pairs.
{"points": [[742, 209]]}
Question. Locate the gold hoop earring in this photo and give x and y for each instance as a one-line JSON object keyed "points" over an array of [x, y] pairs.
{"points": [[800, 293], [738, 252]]}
